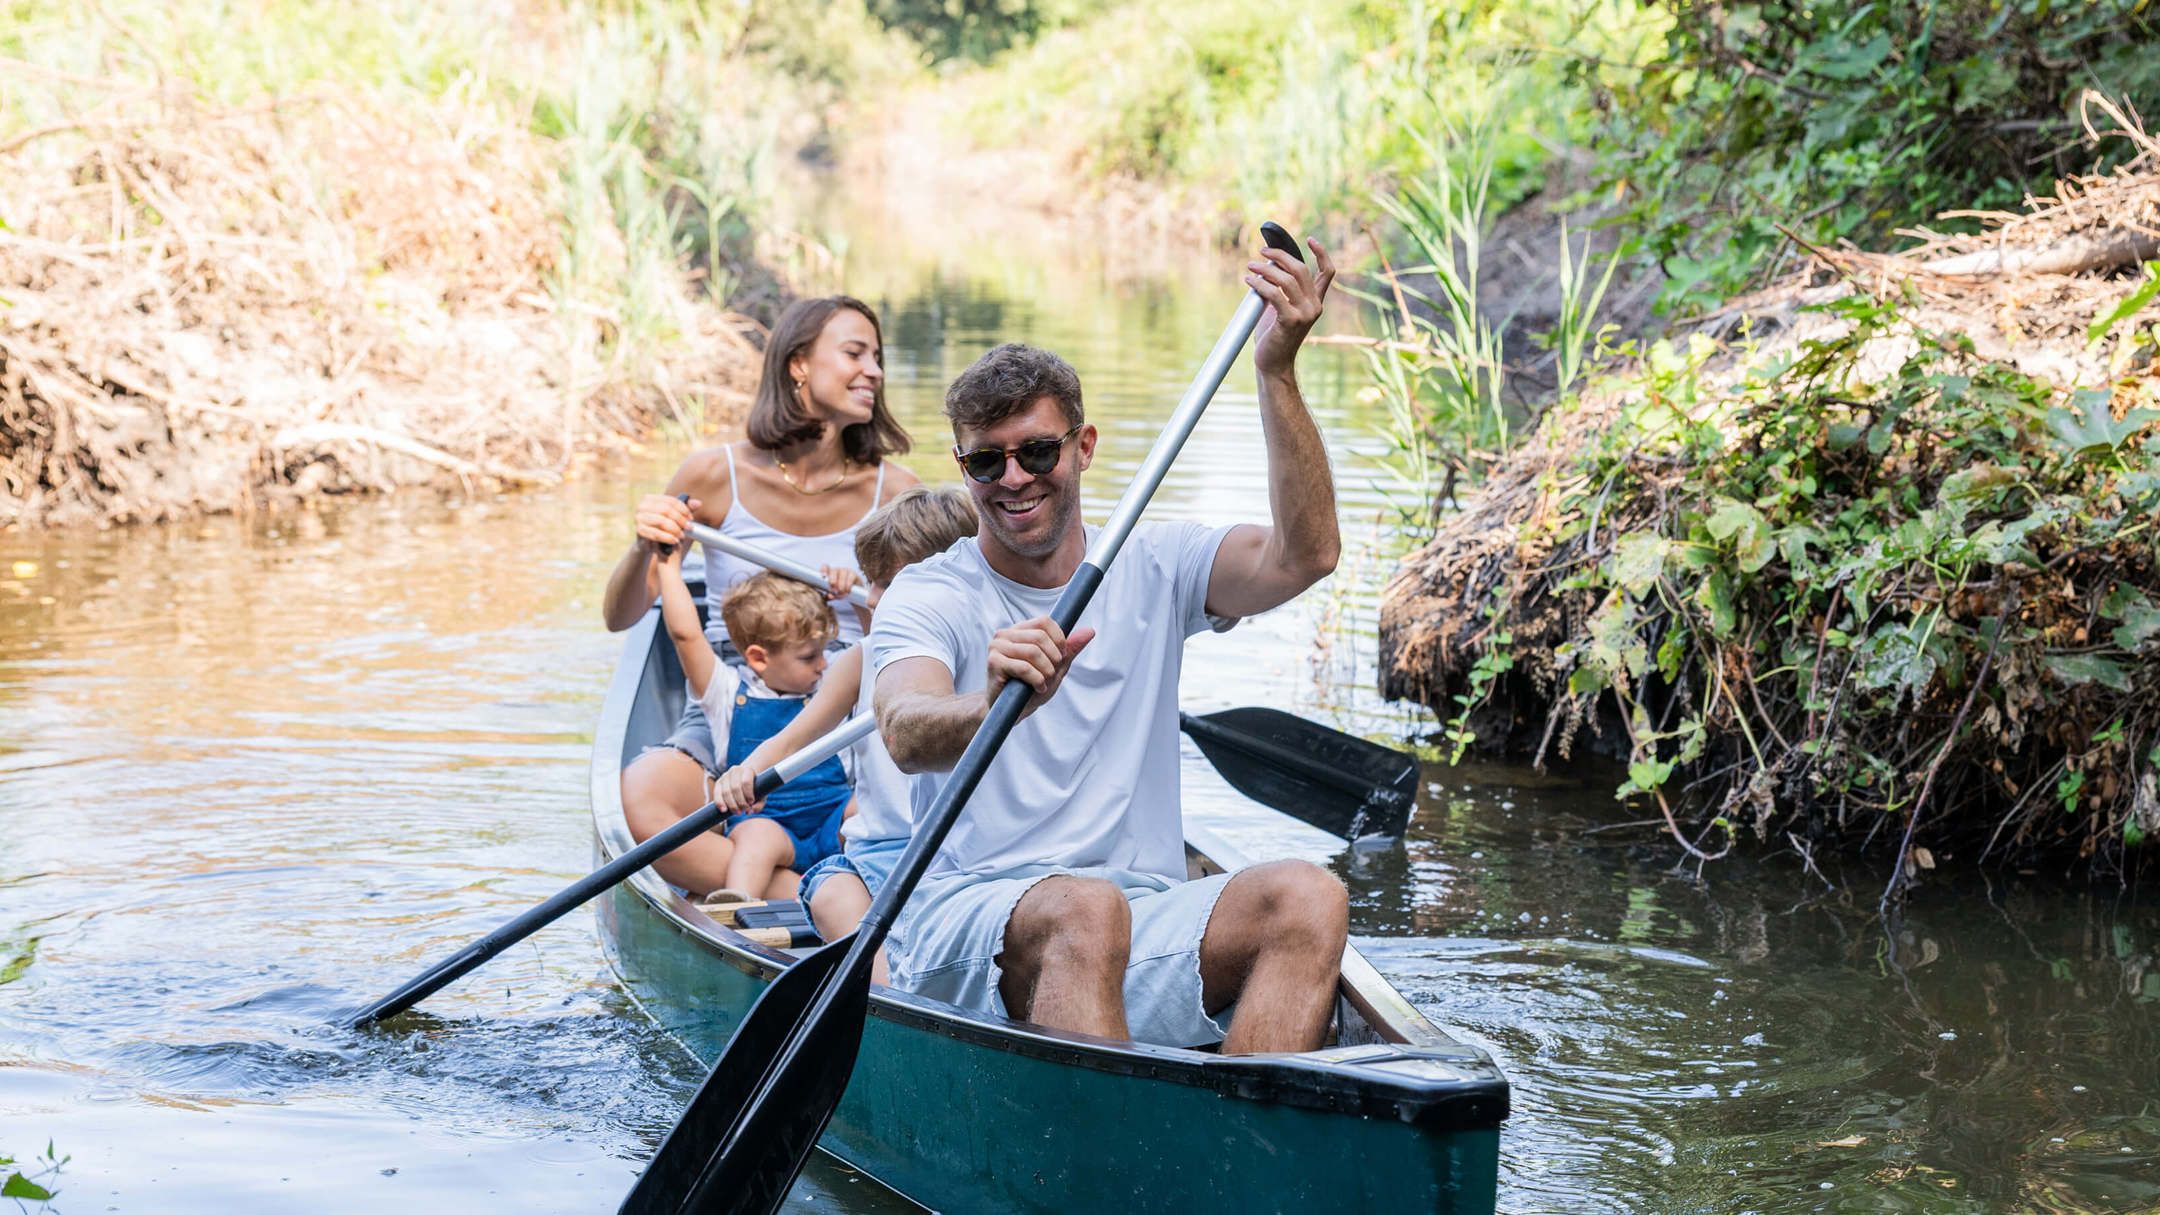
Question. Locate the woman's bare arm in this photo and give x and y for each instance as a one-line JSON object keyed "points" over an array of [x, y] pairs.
{"points": [[663, 519]]}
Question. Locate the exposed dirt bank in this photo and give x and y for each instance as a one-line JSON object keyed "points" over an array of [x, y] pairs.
{"points": [[209, 310]]}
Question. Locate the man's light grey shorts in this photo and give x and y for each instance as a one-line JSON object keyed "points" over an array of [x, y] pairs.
{"points": [[948, 938]]}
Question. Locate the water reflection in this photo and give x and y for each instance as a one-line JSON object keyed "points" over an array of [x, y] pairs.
{"points": [[1758, 1042]]}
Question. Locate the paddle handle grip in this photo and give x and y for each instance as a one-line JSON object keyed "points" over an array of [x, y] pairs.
{"points": [[1278, 237], [464, 961], [713, 538]]}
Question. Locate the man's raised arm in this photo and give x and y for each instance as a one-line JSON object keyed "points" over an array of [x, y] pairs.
{"points": [[1258, 568]]}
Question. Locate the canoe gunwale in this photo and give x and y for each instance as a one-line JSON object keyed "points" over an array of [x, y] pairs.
{"points": [[1472, 1096]]}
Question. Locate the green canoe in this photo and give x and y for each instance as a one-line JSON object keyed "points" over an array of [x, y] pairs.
{"points": [[965, 1113]]}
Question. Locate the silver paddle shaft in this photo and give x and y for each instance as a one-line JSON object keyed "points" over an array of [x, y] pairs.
{"points": [[1179, 428], [824, 747], [713, 538]]}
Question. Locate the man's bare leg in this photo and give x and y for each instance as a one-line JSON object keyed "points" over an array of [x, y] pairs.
{"points": [[1066, 948], [659, 789], [1274, 946]]}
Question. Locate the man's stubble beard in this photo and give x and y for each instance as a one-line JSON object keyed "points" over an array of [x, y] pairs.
{"points": [[1064, 508]]}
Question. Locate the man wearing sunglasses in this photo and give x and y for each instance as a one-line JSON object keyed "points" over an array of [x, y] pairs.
{"points": [[1059, 897]]}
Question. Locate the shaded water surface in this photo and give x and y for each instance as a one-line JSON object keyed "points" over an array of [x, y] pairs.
{"points": [[254, 772]]}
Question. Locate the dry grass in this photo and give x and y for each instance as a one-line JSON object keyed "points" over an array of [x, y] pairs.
{"points": [[210, 307]]}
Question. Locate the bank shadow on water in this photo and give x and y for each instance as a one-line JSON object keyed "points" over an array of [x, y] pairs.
{"points": [[1758, 1038]]}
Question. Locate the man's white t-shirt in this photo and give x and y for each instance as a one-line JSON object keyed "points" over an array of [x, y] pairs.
{"points": [[1090, 779]]}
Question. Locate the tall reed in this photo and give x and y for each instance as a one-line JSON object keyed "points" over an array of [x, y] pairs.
{"points": [[1439, 362]]}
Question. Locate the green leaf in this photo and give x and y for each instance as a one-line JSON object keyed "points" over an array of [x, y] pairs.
{"points": [[1670, 652], [2129, 306], [2091, 430], [1850, 62], [1716, 597], [2120, 598], [1615, 647], [19, 1186], [1638, 561], [1645, 775], [1974, 483], [1981, 80], [2138, 489], [1587, 679], [2140, 623], [1748, 531], [1893, 658], [1793, 543], [2067, 789], [2076, 669]]}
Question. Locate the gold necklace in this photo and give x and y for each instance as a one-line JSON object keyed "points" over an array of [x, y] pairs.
{"points": [[785, 476]]}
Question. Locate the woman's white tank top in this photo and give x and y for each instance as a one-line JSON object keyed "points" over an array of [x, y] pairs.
{"points": [[723, 571]]}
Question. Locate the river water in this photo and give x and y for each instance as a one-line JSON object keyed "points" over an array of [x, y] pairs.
{"points": [[257, 771]]}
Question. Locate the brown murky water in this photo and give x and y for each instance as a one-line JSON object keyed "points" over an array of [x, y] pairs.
{"points": [[255, 772]]}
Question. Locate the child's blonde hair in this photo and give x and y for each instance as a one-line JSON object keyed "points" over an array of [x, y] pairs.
{"points": [[773, 611], [919, 523]]}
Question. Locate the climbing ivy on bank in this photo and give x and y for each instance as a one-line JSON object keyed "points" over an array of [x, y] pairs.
{"points": [[1851, 596]]}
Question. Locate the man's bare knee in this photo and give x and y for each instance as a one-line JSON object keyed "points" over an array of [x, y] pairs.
{"points": [[1299, 904], [1069, 922]]}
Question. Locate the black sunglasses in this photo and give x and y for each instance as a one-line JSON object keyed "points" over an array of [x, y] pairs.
{"points": [[1036, 456]]}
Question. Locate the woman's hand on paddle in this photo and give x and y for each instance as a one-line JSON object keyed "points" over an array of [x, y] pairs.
{"points": [[839, 580], [735, 790], [663, 520], [1295, 293], [1037, 653]]}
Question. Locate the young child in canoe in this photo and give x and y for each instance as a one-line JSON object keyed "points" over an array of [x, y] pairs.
{"points": [[781, 627], [917, 524]]}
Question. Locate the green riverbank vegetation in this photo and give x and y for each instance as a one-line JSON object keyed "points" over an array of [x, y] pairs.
{"points": [[1866, 560], [1240, 108], [253, 251], [1847, 551]]}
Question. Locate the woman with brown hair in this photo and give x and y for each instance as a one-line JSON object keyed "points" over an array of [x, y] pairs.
{"points": [[812, 467]]}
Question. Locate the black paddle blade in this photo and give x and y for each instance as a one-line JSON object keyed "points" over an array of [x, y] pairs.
{"points": [[690, 1172], [1339, 783], [756, 1165]]}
